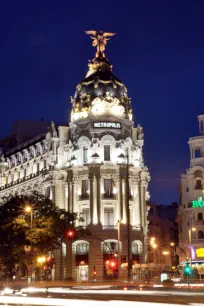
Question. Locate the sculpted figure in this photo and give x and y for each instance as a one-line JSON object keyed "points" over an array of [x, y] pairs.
{"points": [[100, 39]]}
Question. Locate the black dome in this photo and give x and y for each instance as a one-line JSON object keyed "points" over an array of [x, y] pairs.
{"points": [[100, 80]]}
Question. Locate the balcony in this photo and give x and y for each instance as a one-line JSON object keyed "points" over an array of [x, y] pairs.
{"points": [[84, 196], [110, 227], [199, 161], [108, 196], [198, 242], [200, 222]]}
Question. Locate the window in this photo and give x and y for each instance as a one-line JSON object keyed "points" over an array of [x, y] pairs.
{"points": [[200, 216], [200, 235], [85, 154], [197, 153], [82, 248], [198, 185], [106, 153], [136, 247], [110, 247], [86, 217], [108, 188], [84, 188], [108, 217], [187, 189]]}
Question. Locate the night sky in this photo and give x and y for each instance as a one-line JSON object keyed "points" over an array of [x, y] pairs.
{"points": [[158, 52]]}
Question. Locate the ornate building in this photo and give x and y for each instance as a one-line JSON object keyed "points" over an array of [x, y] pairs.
{"points": [[84, 168], [191, 208]]}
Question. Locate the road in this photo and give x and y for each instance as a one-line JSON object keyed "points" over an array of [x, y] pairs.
{"points": [[65, 296], [66, 302]]}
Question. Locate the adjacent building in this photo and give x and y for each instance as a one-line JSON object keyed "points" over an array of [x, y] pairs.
{"points": [[93, 166], [191, 206], [162, 226]]}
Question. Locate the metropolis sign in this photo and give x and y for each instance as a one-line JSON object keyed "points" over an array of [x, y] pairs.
{"points": [[197, 204], [109, 125]]}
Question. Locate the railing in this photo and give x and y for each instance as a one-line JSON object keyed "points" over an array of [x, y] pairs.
{"points": [[199, 222], [197, 241], [110, 227]]}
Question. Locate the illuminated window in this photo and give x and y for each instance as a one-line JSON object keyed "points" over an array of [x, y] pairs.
{"points": [[108, 188], [107, 153], [136, 247], [108, 217], [85, 154]]}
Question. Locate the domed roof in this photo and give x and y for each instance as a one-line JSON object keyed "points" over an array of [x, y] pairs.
{"points": [[100, 93], [99, 81]]}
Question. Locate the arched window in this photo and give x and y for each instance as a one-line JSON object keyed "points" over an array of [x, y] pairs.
{"points": [[200, 216], [82, 248], [200, 235], [136, 247]]}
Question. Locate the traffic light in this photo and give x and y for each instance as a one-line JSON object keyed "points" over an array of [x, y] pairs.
{"points": [[187, 270], [113, 264], [70, 234]]}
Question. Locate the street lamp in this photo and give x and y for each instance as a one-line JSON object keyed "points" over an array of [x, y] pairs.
{"points": [[29, 210], [41, 260]]}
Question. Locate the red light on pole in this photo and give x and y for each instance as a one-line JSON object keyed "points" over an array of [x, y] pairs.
{"points": [[112, 264], [70, 234]]}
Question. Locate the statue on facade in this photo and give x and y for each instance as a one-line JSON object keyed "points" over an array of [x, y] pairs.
{"points": [[53, 130], [140, 134], [100, 39]]}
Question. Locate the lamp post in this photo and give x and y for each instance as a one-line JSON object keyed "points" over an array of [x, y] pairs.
{"points": [[119, 248], [190, 230], [28, 210]]}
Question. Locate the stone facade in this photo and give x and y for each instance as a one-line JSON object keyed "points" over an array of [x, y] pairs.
{"points": [[191, 206], [84, 168]]}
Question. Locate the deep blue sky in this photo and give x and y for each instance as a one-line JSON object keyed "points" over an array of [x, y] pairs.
{"points": [[158, 53]]}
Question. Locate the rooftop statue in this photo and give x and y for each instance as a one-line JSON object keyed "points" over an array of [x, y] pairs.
{"points": [[100, 39]]}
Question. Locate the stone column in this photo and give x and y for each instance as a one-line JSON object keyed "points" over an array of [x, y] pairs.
{"points": [[124, 201], [66, 206], [70, 196], [136, 220], [91, 199], [59, 194], [74, 195], [99, 204], [118, 198], [95, 211]]}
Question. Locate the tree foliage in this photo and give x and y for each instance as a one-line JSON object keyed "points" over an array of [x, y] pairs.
{"points": [[42, 232]]}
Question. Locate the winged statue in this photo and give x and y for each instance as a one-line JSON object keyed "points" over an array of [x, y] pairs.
{"points": [[100, 39]]}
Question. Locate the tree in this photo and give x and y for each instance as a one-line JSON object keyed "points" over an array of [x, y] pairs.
{"points": [[21, 243]]}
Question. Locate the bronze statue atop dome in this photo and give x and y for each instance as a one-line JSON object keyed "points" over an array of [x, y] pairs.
{"points": [[100, 39]]}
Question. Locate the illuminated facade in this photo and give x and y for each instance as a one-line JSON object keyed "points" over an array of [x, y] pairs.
{"points": [[84, 168], [191, 208]]}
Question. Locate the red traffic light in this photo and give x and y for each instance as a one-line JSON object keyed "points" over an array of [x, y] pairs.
{"points": [[112, 264], [70, 234]]}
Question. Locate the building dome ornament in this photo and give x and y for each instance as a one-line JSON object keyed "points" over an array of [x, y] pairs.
{"points": [[100, 92]]}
